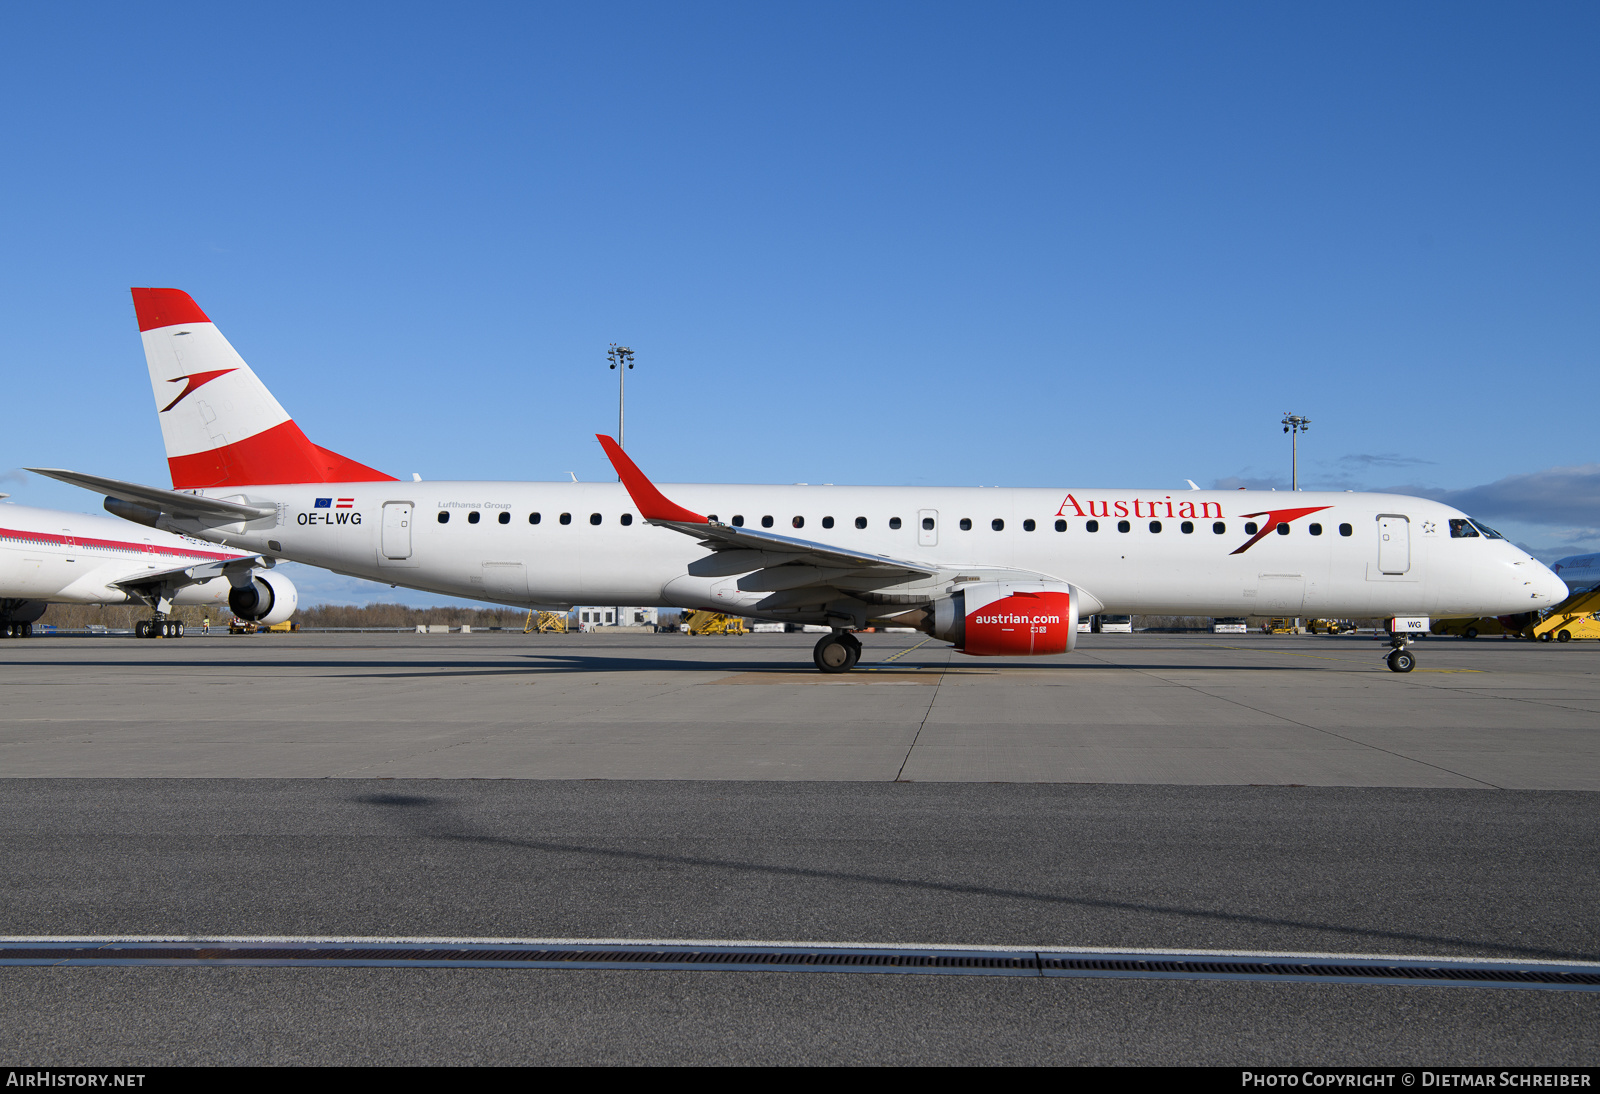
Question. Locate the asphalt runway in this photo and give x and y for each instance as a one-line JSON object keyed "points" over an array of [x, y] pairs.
{"points": [[502, 786], [1201, 710]]}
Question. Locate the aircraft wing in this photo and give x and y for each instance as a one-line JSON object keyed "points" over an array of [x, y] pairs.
{"points": [[179, 577], [172, 502], [741, 550]]}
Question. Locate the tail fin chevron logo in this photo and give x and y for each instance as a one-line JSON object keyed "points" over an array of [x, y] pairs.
{"points": [[198, 379], [1276, 517]]}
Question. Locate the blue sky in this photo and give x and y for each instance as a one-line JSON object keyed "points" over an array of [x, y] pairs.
{"points": [[1017, 244]]}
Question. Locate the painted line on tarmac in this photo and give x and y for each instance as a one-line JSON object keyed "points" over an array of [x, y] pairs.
{"points": [[1348, 660], [727, 955]]}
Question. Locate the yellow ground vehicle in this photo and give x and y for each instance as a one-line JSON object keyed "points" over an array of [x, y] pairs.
{"points": [[1574, 617], [1330, 626], [712, 623], [1469, 628], [239, 626], [1278, 626], [546, 623]]}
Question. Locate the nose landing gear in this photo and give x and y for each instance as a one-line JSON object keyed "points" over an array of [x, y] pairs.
{"points": [[1400, 659], [837, 652]]}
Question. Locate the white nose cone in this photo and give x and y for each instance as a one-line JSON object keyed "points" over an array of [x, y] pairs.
{"points": [[1546, 589]]}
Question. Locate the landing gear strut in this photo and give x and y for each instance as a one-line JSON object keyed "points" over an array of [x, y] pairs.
{"points": [[1400, 659], [837, 652]]}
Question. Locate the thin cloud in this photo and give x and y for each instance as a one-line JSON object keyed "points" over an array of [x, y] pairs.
{"points": [[1236, 482], [1564, 497], [15, 477], [1383, 459]]}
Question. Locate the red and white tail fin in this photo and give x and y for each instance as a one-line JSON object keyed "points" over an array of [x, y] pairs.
{"points": [[221, 425]]}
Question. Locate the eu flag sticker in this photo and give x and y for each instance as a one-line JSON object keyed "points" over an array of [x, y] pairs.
{"points": [[324, 503]]}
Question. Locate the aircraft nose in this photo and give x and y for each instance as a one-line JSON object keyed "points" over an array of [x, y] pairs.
{"points": [[1547, 588]]}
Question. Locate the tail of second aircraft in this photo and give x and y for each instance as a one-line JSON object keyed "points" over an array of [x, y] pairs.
{"points": [[221, 425]]}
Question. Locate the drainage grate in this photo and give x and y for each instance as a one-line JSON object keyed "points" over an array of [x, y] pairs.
{"points": [[612, 955]]}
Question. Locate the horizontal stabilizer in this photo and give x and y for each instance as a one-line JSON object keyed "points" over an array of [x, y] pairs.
{"points": [[173, 503]]}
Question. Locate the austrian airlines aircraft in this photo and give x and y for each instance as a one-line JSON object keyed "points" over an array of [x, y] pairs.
{"points": [[48, 557], [992, 571]]}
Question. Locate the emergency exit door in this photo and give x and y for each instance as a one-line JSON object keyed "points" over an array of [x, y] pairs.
{"points": [[397, 529], [1394, 544]]}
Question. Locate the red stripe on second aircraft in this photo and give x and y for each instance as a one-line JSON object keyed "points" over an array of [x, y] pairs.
{"points": [[54, 540]]}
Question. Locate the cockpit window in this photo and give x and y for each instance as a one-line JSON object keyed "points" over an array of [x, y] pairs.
{"points": [[1462, 529], [1488, 533]]}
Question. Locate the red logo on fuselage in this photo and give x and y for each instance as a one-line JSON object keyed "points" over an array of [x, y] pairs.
{"points": [[196, 380], [1274, 518]]}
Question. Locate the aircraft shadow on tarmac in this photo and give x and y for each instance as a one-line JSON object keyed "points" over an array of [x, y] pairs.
{"points": [[435, 818], [549, 663]]}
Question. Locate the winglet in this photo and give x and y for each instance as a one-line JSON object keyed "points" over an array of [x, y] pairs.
{"points": [[652, 504]]}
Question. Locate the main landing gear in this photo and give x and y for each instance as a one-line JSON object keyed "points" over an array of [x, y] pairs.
{"points": [[16, 630], [837, 652], [158, 628], [1400, 659]]}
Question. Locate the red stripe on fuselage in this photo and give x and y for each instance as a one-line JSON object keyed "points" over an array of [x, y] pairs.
{"points": [[54, 540], [282, 454]]}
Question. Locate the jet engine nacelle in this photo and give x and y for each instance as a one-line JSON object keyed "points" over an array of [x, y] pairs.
{"points": [[1009, 618], [267, 599]]}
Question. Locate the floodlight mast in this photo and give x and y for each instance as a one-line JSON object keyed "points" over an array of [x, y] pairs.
{"points": [[1294, 425], [619, 355]]}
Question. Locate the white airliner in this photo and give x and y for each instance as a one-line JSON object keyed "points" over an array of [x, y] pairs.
{"points": [[1580, 572], [992, 571], [49, 557]]}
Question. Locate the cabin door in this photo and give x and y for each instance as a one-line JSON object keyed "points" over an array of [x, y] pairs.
{"points": [[1394, 544], [396, 529]]}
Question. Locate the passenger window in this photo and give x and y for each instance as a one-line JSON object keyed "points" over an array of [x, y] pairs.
{"points": [[894, 523], [1061, 526], [594, 518], [444, 516], [1250, 528], [927, 524], [1346, 530], [626, 518], [766, 522], [1315, 529], [827, 522], [861, 522], [712, 517], [473, 517], [1283, 529], [966, 524], [1123, 526], [998, 525], [1155, 526], [1091, 526], [533, 518], [505, 518], [566, 518], [1186, 527], [798, 522], [1219, 528], [1028, 526], [1462, 529], [738, 520]]}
